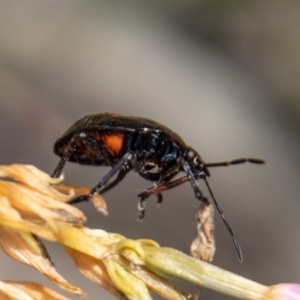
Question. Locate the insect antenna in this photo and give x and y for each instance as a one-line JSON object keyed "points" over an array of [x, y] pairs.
{"points": [[231, 231], [235, 162]]}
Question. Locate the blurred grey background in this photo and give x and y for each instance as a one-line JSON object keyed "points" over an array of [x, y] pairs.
{"points": [[223, 74]]}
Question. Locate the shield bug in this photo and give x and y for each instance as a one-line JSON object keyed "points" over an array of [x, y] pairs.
{"points": [[151, 149]]}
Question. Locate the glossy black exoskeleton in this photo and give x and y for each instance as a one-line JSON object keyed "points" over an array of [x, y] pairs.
{"points": [[132, 143]]}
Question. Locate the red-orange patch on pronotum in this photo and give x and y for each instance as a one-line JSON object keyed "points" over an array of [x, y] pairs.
{"points": [[113, 143]]}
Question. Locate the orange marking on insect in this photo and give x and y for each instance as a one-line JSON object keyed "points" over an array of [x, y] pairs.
{"points": [[113, 143]]}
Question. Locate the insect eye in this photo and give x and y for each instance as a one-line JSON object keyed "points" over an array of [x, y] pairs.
{"points": [[190, 154]]}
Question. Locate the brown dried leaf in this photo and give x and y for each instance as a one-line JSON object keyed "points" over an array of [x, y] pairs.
{"points": [[36, 291], [25, 174], [10, 292], [32, 177], [11, 218], [31, 193], [25, 200], [19, 250]]}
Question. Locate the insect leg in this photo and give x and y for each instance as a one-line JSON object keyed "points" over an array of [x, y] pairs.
{"points": [[122, 173], [163, 187], [192, 179], [70, 148], [103, 182], [162, 180], [60, 166], [157, 190]]}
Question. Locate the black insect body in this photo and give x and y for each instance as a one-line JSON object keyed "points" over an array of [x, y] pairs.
{"points": [[132, 143]]}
